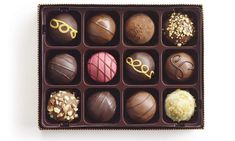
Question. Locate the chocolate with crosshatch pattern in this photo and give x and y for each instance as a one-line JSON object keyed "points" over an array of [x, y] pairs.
{"points": [[120, 47]]}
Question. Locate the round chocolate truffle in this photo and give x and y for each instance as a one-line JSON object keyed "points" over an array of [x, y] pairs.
{"points": [[179, 66], [140, 66], [141, 107], [179, 29], [63, 106], [139, 28], [102, 67], [101, 28], [63, 28], [101, 106], [180, 105], [62, 69]]}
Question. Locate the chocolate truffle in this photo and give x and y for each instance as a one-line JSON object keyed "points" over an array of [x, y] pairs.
{"points": [[180, 105], [141, 107], [139, 28], [140, 66], [101, 28], [62, 69], [101, 106], [179, 29], [63, 106], [63, 28], [102, 67], [179, 66]]}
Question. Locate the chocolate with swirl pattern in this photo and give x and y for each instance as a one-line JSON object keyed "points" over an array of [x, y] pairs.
{"points": [[179, 66], [140, 66], [63, 28]]}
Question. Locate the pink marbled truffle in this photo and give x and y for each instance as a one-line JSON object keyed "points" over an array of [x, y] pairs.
{"points": [[102, 67]]}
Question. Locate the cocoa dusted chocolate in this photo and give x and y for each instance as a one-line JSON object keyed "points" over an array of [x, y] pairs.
{"points": [[139, 28]]}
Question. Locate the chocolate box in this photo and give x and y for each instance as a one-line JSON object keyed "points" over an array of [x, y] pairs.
{"points": [[120, 87]]}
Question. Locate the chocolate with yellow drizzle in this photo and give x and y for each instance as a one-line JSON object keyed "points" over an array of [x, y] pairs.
{"points": [[140, 66], [63, 28]]}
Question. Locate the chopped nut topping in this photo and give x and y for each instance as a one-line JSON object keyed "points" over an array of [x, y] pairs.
{"points": [[62, 106], [179, 28]]}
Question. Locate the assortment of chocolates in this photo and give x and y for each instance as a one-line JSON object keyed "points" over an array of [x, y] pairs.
{"points": [[121, 67]]}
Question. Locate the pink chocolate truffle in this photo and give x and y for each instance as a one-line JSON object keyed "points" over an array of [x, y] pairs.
{"points": [[102, 67]]}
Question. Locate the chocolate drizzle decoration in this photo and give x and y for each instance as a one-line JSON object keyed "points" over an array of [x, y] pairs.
{"points": [[178, 72], [139, 67], [63, 27]]}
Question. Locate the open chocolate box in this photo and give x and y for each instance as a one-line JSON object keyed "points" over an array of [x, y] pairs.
{"points": [[121, 67]]}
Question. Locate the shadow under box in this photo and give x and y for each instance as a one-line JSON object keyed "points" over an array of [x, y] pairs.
{"points": [[193, 79], [153, 80], [195, 118], [115, 93], [191, 15], [155, 18], [53, 122], [115, 16], [89, 80], [131, 91], [76, 16], [52, 53]]}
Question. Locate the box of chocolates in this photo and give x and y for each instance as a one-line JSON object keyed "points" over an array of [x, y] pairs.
{"points": [[120, 67]]}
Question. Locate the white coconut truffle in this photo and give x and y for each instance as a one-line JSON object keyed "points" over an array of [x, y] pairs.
{"points": [[180, 105]]}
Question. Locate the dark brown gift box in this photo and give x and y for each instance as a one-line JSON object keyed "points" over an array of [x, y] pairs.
{"points": [[119, 47]]}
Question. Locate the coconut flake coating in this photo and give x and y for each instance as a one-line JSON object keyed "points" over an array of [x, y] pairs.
{"points": [[180, 105]]}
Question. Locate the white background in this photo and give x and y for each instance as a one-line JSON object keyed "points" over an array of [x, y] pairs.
{"points": [[18, 66]]}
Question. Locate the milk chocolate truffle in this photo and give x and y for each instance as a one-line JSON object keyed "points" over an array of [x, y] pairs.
{"points": [[180, 105], [179, 29], [101, 29], [140, 66], [101, 106], [63, 106], [139, 28], [179, 66], [63, 28], [102, 67], [141, 107], [62, 69]]}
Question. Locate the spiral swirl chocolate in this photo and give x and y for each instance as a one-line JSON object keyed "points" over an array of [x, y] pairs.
{"points": [[179, 66]]}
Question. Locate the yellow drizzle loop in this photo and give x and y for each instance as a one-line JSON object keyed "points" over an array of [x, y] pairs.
{"points": [[139, 67], [63, 27]]}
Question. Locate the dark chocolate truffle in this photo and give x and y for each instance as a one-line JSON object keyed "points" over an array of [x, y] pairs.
{"points": [[102, 67], [63, 28], [63, 106], [140, 66], [180, 105], [101, 106], [62, 69], [101, 29], [139, 28], [179, 66], [141, 107], [179, 29]]}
